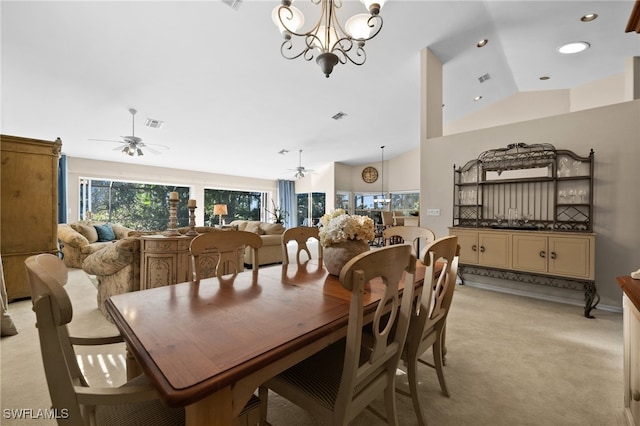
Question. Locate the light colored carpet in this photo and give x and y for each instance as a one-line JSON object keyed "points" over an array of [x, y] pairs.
{"points": [[511, 361]]}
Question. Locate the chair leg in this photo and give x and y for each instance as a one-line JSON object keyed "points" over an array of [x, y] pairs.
{"points": [[412, 373], [438, 363], [390, 402], [263, 394]]}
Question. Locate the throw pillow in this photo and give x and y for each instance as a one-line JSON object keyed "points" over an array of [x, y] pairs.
{"points": [[105, 232], [89, 232], [254, 227]]}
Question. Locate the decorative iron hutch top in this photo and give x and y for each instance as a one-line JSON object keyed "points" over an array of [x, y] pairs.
{"points": [[528, 187]]}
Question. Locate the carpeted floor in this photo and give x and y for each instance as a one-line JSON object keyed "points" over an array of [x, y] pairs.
{"points": [[511, 360]]}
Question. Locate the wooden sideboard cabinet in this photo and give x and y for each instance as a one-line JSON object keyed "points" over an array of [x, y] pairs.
{"points": [[560, 254], [164, 260], [525, 212], [631, 335], [563, 255], [29, 206]]}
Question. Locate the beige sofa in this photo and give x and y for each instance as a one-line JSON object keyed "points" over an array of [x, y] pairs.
{"points": [[79, 240], [271, 234]]}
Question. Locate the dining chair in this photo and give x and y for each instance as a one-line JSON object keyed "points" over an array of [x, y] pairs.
{"points": [[220, 253], [428, 320], [74, 402], [387, 218], [301, 236], [340, 381], [415, 236]]}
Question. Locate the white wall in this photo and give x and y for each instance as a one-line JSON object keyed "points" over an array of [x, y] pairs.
{"points": [[197, 181], [614, 134]]}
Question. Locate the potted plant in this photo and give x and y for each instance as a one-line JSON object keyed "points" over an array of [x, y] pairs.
{"points": [[277, 213]]}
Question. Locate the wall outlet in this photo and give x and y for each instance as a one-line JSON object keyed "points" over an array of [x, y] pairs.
{"points": [[433, 212]]}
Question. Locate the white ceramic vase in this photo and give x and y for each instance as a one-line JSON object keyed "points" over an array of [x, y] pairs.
{"points": [[337, 255]]}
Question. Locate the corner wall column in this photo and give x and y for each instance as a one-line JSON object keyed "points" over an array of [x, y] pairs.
{"points": [[632, 78], [430, 95]]}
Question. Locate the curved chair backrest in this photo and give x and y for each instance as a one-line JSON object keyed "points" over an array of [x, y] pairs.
{"points": [[47, 274], [415, 236], [301, 235], [227, 248], [387, 218], [441, 260], [364, 380]]}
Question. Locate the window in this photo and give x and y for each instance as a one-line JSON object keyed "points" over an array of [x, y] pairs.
{"points": [[366, 205], [407, 202], [343, 201], [240, 205], [132, 204], [310, 208]]}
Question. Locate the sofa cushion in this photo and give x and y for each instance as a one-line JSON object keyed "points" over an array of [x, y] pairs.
{"points": [[272, 228], [254, 226], [240, 224], [89, 232], [105, 232]]}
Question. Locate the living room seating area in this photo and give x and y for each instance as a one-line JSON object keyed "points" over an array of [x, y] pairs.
{"points": [[112, 252]]}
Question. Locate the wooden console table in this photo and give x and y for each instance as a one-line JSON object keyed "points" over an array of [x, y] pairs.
{"points": [[164, 260]]}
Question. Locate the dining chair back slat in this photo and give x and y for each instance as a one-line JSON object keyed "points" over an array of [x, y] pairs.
{"points": [[415, 236], [301, 236], [220, 253]]}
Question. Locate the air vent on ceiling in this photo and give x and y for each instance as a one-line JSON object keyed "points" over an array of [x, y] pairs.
{"points": [[339, 115], [154, 124], [484, 78], [234, 4]]}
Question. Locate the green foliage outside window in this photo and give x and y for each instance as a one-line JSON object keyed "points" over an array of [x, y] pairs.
{"points": [[135, 205], [240, 205]]}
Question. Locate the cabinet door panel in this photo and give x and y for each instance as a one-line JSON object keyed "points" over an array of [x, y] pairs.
{"points": [[570, 256], [530, 253], [468, 242], [494, 250]]}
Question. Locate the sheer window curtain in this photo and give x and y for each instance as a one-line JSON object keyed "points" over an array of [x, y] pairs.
{"points": [[287, 201]]}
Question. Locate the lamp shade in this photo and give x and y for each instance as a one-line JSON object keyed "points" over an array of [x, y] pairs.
{"points": [[292, 18], [219, 209], [358, 26]]}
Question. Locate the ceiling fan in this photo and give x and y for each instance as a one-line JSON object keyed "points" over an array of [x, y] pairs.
{"points": [[300, 171], [132, 145]]}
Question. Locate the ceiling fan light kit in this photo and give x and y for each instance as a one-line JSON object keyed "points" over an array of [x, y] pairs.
{"points": [[132, 145], [328, 40]]}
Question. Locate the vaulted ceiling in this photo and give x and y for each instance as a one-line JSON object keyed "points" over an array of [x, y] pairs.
{"points": [[230, 102]]}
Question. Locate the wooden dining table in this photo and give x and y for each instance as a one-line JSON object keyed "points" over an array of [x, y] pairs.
{"points": [[207, 345]]}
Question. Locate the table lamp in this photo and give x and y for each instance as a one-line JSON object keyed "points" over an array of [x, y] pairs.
{"points": [[219, 209]]}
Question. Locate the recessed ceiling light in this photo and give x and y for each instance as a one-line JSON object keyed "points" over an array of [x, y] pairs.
{"points": [[482, 43], [573, 47], [589, 17], [545, 77], [477, 98]]}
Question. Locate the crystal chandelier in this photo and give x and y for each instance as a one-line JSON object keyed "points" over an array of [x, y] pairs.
{"points": [[328, 40]]}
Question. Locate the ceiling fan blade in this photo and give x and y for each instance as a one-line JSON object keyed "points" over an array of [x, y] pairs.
{"points": [[156, 145], [107, 140]]}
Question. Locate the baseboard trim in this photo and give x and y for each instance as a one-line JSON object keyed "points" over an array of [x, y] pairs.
{"points": [[550, 298]]}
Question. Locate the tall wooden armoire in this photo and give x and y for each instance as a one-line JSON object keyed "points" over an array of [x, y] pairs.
{"points": [[29, 209]]}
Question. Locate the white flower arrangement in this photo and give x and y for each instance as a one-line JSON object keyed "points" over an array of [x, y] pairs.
{"points": [[338, 227]]}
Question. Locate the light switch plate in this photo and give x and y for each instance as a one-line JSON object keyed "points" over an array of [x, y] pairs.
{"points": [[433, 212]]}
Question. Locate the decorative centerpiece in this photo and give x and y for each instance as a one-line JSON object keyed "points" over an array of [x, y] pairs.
{"points": [[343, 237]]}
